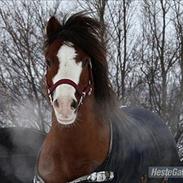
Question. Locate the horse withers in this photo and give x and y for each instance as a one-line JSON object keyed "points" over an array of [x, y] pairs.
{"points": [[91, 139]]}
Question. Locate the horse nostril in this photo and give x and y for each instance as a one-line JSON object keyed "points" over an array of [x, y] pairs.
{"points": [[74, 104], [56, 104]]}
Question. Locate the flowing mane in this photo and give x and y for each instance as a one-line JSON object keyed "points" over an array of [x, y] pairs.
{"points": [[84, 32]]}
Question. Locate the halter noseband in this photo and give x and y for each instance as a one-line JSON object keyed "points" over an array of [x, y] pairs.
{"points": [[81, 93]]}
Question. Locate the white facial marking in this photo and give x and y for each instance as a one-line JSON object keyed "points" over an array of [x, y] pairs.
{"points": [[68, 69]]}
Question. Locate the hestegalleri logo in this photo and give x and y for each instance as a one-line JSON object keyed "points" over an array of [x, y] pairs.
{"points": [[165, 172]]}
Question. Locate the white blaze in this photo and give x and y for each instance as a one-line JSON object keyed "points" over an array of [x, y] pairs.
{"points": [[68, 69]]}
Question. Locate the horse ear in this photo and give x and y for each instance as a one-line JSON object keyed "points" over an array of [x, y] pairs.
{"points": [[53, 26]]}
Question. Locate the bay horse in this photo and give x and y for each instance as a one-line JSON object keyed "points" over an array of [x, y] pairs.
{"points": [[91, 138]]}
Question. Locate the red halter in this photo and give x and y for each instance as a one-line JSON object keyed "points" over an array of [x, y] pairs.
{"points": [[81, 93]]}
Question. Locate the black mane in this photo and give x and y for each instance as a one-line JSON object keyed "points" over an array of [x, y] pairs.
{"points": [[84, 32]]}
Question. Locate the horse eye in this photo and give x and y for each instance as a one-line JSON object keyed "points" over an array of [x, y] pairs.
{"points": [[84, 63], [48, 63]]}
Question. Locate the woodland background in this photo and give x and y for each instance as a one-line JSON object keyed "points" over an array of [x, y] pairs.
{"points": [[144, 40]]}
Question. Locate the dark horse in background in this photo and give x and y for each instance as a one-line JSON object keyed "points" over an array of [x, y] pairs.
{"points": [[18, 152], [91, 138]]}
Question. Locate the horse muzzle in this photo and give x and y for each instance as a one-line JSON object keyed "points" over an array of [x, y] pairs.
{"points": [[65, 109]]}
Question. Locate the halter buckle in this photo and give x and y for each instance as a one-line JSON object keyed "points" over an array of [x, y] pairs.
{"points": [[83, 94], [90, 91], [81, 100], [50, 96]]}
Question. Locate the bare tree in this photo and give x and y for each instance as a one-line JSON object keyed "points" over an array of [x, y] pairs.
{"points": [[122, 45], [178, 24], [160, 55], [22, 61]]}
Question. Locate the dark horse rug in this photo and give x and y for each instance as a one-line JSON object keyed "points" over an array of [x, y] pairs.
{"points": [[18, 151], [140, 140]]}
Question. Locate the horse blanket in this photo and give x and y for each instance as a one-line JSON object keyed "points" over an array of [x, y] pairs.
{"points": [[139, 139]]}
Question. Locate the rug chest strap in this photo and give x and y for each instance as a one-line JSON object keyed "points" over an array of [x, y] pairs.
{"points": [[102, 176]]}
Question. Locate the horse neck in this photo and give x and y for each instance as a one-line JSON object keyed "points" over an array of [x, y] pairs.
{"points": [[88, 131], [82, 147]]}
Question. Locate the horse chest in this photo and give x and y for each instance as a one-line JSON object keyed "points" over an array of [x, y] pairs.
{"points": [[55, 166]]}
